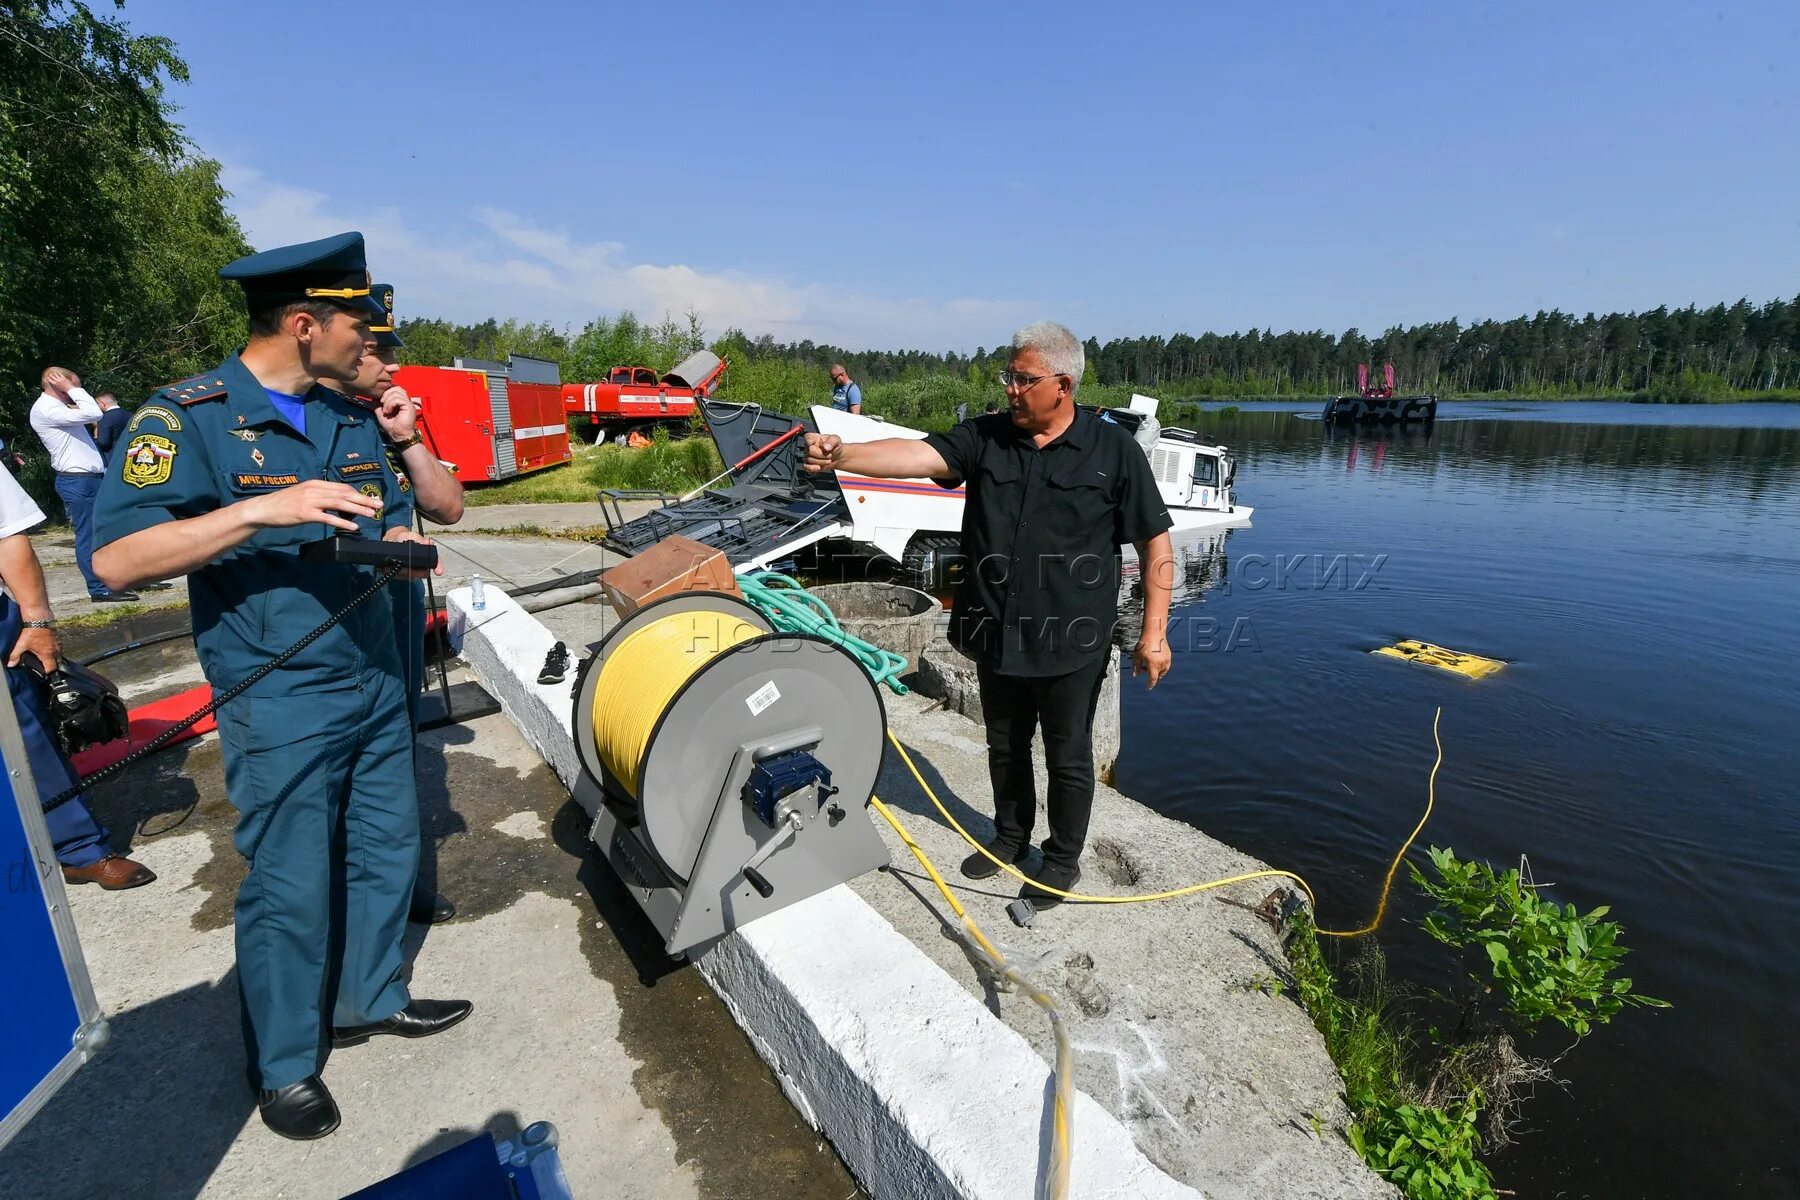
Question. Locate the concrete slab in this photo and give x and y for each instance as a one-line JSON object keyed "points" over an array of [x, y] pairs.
{"points": [[1224, 1088], [513, 562], [1222, 1085], [656, 1091]]}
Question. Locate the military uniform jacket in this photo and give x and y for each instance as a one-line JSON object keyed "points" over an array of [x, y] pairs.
{"points": [[215, 440]]}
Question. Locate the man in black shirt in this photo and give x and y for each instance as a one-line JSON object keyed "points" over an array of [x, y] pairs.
{"points": [[1053, 492]]}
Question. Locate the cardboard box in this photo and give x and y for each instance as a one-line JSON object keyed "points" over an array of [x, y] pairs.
{"points": [[672, 566]]}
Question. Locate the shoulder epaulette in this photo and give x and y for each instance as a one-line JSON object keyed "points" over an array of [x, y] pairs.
{"points": [[196, 389]]}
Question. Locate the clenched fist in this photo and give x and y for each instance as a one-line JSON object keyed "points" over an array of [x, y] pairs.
{"points": [[397, 413], [824, 452]]}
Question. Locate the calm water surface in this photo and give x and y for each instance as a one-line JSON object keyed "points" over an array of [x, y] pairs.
{"points": [[1638, 568]]}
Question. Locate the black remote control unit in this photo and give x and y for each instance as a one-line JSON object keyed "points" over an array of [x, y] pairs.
{"points": [[411, 556]]}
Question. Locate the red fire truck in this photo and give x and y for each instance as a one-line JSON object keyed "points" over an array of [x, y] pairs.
{"points": [[636, 399], [491, 420]]}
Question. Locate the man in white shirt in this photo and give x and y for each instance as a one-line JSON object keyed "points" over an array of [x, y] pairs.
{"points": [[61, 418], [26, 628]]}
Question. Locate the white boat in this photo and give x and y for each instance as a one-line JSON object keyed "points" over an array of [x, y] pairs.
{"points": [[1195, 479], [773, 508]]}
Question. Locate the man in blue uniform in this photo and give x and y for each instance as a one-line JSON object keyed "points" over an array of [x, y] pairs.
{"points": [[426, 486], [224, 478]]}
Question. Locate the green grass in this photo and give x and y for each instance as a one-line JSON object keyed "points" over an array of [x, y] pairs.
{"points": [[669, 465], [567, 533], [112, 614]]}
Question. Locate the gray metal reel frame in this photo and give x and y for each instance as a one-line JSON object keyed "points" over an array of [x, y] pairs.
{"points": [[684, 859]]}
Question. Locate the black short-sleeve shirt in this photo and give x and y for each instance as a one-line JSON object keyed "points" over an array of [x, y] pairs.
{"points": [[1041, 535]]}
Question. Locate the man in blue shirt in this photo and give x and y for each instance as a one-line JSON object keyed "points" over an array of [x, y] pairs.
{"points": [[224, 478], [845, 395], [427, 487]]}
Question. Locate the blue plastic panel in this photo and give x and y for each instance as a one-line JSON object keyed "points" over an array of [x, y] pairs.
{"points": [[39, 1016]]}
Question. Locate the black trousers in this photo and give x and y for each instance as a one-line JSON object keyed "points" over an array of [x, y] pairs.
{"points": [[1015, 708]]}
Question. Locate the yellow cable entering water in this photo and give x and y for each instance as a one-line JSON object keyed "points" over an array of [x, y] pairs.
{"points": [[1191, 889], [1056, 1184]]}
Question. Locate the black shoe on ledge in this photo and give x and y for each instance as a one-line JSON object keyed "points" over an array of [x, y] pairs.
{"points": [[301, 1111], [421, 1018], [429, 908], [1062, 878], [980, 866]]}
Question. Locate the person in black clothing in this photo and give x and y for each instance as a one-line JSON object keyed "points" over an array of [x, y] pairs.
{"points": [[111, 424], [1053, 492]]}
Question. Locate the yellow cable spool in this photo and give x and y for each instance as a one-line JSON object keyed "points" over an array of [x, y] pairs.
{"points": [[643, 675]]}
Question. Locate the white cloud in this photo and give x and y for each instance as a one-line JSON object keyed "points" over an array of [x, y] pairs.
{"points": [[500, 264]]}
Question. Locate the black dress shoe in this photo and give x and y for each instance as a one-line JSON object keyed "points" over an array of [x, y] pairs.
{"points": [[302, 1111], [429, 908], [980, 866], [154, 587], [421, 1018], [1063, 879]]}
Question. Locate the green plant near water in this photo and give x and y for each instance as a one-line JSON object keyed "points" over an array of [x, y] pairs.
{"points": [[1424, 1108], [1430, 1153], [1548, 962]]}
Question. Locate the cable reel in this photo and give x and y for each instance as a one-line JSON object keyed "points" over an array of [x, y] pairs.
{"points": [[734, 763]]}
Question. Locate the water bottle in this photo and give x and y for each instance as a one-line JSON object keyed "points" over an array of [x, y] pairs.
{"points": [[477, 594]]}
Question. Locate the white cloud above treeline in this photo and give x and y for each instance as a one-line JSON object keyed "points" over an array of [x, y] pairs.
{"points": [[499, 263]]}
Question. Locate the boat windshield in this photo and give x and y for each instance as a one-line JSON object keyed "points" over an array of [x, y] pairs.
{"points": [[1206, 470]]}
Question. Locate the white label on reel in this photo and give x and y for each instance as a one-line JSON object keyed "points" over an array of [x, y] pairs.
{"points": [[761, 698]]}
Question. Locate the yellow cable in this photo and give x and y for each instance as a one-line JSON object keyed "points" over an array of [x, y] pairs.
{"points": [[1387, 884], [641, 676], [1056, 1185], [1191, 889]]}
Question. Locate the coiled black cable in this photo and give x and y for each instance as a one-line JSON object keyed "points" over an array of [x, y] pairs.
{"points": [[237, 689]]}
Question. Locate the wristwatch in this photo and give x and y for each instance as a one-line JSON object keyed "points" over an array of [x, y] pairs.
{"points": [[417, 439], [37, 624]]}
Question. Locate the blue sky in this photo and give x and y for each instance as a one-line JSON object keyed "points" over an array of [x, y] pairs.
{"points": [[932, 176]]}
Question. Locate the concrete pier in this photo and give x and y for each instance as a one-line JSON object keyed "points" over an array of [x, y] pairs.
{"points": [[1194, 1079]]}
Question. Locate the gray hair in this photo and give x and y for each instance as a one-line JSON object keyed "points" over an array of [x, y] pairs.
{"points": [[1060, 348]]}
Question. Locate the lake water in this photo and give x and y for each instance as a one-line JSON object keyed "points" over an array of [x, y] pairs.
{"points": [[1638, 568]]}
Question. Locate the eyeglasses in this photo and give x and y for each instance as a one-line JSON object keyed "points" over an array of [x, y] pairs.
{"points": [[1013, 379]]}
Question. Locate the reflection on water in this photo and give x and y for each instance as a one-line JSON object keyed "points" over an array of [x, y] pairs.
{"points": [[1642, 580]]}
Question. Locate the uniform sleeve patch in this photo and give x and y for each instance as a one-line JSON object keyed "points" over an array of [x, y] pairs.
{"points": [[154, 412], [149, 460]]}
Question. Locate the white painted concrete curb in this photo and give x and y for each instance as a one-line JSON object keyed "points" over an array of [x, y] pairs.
{"points": [[923, 1092]]}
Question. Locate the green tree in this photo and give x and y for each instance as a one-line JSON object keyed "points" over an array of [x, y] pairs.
{"points": [[111, 230]]}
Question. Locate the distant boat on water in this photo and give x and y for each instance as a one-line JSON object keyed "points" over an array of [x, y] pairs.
{"points": [[1378, 405]]}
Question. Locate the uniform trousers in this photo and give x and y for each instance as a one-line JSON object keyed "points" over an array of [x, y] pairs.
{"points": [[80, 840], [328, 821], [1014, 708]]}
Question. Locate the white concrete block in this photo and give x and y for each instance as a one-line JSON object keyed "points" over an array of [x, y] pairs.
{"points": [[923, 1091]]}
